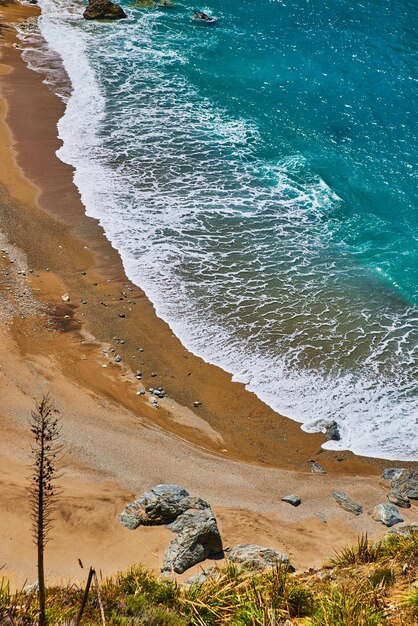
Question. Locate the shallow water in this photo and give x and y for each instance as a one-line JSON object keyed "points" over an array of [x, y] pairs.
{"points": [[259, 180]]}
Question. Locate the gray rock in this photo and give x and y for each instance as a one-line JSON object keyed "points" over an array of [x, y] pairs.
{"points": [[405, 531], [203, 576], [392, 473], [189, 516], [332, 431], [386, 514], [395, 497], [32, 588], [316, 468], [403, 480], [198, 538], [293, 500], [346, 503], [253, 557], [159, 506]]}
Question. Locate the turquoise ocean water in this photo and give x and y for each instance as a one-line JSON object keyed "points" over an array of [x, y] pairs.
{"points": [[259, 178]]}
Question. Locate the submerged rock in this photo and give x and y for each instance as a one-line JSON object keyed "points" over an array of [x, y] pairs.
{"points": [[103, 10], [254, 557], [332, 431], [386, 514], [346, 503], [198, 538], [293, 500]]}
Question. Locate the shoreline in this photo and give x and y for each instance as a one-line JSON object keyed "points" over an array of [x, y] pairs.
{"points": [[233, 450], [57, 195]]}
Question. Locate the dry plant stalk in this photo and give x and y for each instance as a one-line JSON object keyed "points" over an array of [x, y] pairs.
{"points": [[46, 452]]}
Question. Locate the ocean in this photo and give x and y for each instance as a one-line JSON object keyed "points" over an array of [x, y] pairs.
{"points": [[259, 178]]}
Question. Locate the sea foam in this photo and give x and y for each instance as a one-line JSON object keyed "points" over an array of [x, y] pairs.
{"points": [[235, 246]]}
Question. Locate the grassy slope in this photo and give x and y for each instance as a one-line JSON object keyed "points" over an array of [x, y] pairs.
{"points": [[367, 585]]}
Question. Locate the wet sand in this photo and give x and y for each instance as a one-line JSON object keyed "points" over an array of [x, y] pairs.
{"points": [[232, 450]]}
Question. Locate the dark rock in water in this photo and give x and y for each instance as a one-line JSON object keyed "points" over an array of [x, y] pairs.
{"points": [[253, 557], [103, 10], [198, 538], [162, 505], [403, 480], [316, 468], [346, 503], [332, 431], [405, 531], [386, 514], [293, 500], [395, 497]]}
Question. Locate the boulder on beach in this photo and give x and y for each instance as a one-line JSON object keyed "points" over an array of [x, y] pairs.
{"points": [[191, 518], [346, 503], [198, 538], [103, 10], [403, 480], [253, 557], [397, 498], [161, 505], [386, 514]]}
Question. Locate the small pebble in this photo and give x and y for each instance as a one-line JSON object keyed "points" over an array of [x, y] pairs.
{"points": [[122, 315], [197, 404], [118, 358]]}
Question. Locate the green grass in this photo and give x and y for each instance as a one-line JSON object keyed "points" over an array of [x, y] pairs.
{"points": [[410, 602], [363, 552], [365, 587], [349, 605]]}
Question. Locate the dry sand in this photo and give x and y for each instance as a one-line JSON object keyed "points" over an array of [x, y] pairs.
{"points": [[234, 451]]}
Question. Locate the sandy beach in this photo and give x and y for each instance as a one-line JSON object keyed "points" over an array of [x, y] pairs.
{"points": [[232, 450]]}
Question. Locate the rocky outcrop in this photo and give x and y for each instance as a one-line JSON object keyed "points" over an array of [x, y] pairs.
{"points": [[190, 518], [198, 538], [161, 505], [253, 557], [346, 503], [405, 531], [403, 480], [397, 498], [404, 485], [103, 10], [386, 514]]}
